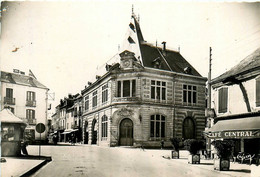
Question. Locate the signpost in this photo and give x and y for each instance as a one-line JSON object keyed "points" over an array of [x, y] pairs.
{"points": [[40, 128]]}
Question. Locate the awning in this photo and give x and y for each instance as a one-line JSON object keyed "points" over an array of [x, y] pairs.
{"points": [[235, 128]]}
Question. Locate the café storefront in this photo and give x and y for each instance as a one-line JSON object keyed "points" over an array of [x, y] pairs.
{"points": [[244, 132]]}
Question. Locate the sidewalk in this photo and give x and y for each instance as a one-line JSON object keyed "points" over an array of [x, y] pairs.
{"points": [[22, 166], [236, 169]]}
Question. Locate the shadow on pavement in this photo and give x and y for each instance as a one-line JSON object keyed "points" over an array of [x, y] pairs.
{"points": [[240, 170], [206, 164]]}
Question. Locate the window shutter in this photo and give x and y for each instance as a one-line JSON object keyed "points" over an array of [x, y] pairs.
{"points": [[257, 92], [222, 100]]}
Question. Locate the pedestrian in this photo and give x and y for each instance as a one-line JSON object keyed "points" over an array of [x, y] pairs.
{"points": [[23, 147], [55, 139], [162, 144]]}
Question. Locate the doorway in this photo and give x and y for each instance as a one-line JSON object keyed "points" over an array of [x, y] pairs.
{"points": [[94, 132], [126, 132]]}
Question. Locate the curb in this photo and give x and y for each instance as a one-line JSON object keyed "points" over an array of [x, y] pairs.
{"points": [[37, 167]]}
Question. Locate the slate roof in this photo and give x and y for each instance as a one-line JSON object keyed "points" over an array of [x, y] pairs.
{"points": [[172, 61], [21, 80], [250, 63]]}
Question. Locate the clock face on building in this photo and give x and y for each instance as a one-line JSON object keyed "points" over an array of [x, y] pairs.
{"points": [[126, 63]]}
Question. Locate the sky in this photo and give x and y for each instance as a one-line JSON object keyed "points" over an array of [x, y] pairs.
{"points": [[64, 42]]}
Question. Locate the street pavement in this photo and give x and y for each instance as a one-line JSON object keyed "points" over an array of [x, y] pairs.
{"points": [[87, 160]]}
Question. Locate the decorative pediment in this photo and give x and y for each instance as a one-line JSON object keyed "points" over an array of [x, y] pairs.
{"points": [[125, 112]]}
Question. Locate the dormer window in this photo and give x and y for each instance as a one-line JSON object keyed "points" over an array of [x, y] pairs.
{"points": [[132, 27], [130, 40], [157, 63]]}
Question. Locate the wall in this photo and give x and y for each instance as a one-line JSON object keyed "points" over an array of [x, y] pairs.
{"points": [[236, 103]]}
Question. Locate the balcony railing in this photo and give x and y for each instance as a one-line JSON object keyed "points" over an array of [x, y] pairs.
{"points": [[8, 100], [30, 103], [29, 121]]}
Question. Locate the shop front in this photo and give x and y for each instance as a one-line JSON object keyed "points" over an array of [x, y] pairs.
{"points": [[244, 132]]}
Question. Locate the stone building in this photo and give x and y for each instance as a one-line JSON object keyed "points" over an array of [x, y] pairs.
{"points": [[27, 98], [148, 94]]}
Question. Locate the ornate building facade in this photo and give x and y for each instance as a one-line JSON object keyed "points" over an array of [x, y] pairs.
{"points": [[147, 95]]}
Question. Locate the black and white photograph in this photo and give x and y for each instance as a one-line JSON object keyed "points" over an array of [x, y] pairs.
{"points": [[134, 88]]}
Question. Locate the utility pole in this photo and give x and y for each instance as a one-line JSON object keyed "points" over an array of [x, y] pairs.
{"points": [[209, 79], [209, 111]]}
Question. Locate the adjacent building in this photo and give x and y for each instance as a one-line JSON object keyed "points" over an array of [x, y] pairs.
{"points": [[27, 98], [66, 122], [236, 101], [147, 95]]}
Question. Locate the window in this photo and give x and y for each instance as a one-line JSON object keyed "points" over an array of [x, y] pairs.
{"points": [[157, 129], [94, 99], [30, 99], [222, 100], [104, 127], [158, 90], [126, 88], [8, 133], [9, 97], [257, 92], [188, 128], [189, 94], [30, 96], [104, 93], [30, 116], [9, 93], [86, 103]]}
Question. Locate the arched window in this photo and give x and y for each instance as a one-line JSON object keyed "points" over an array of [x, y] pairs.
{"points": [[157, 129], [188, 128], [104, 127]]}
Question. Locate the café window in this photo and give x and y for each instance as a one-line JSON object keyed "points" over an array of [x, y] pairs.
{"points": [[104, 124], [86, 103], [157, 126], [158, 90], [257, 92], [104, 93], [126, 88], [189, 94], [222, 100], [94, 99]]}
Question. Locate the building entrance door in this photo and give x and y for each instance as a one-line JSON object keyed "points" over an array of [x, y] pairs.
{"points": [[126, 132], [94, 132]]}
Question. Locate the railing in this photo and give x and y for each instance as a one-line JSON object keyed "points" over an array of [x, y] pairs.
{"points": [[29, 121], [31, 103], [8, 100]]}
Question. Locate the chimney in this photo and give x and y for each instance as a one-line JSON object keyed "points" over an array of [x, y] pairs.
{"points": [[164, 48], [108, 67], [89, 83], [98, 77]]}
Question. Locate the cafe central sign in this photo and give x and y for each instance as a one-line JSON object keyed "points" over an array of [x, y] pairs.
{"points": [[234, 134]]}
